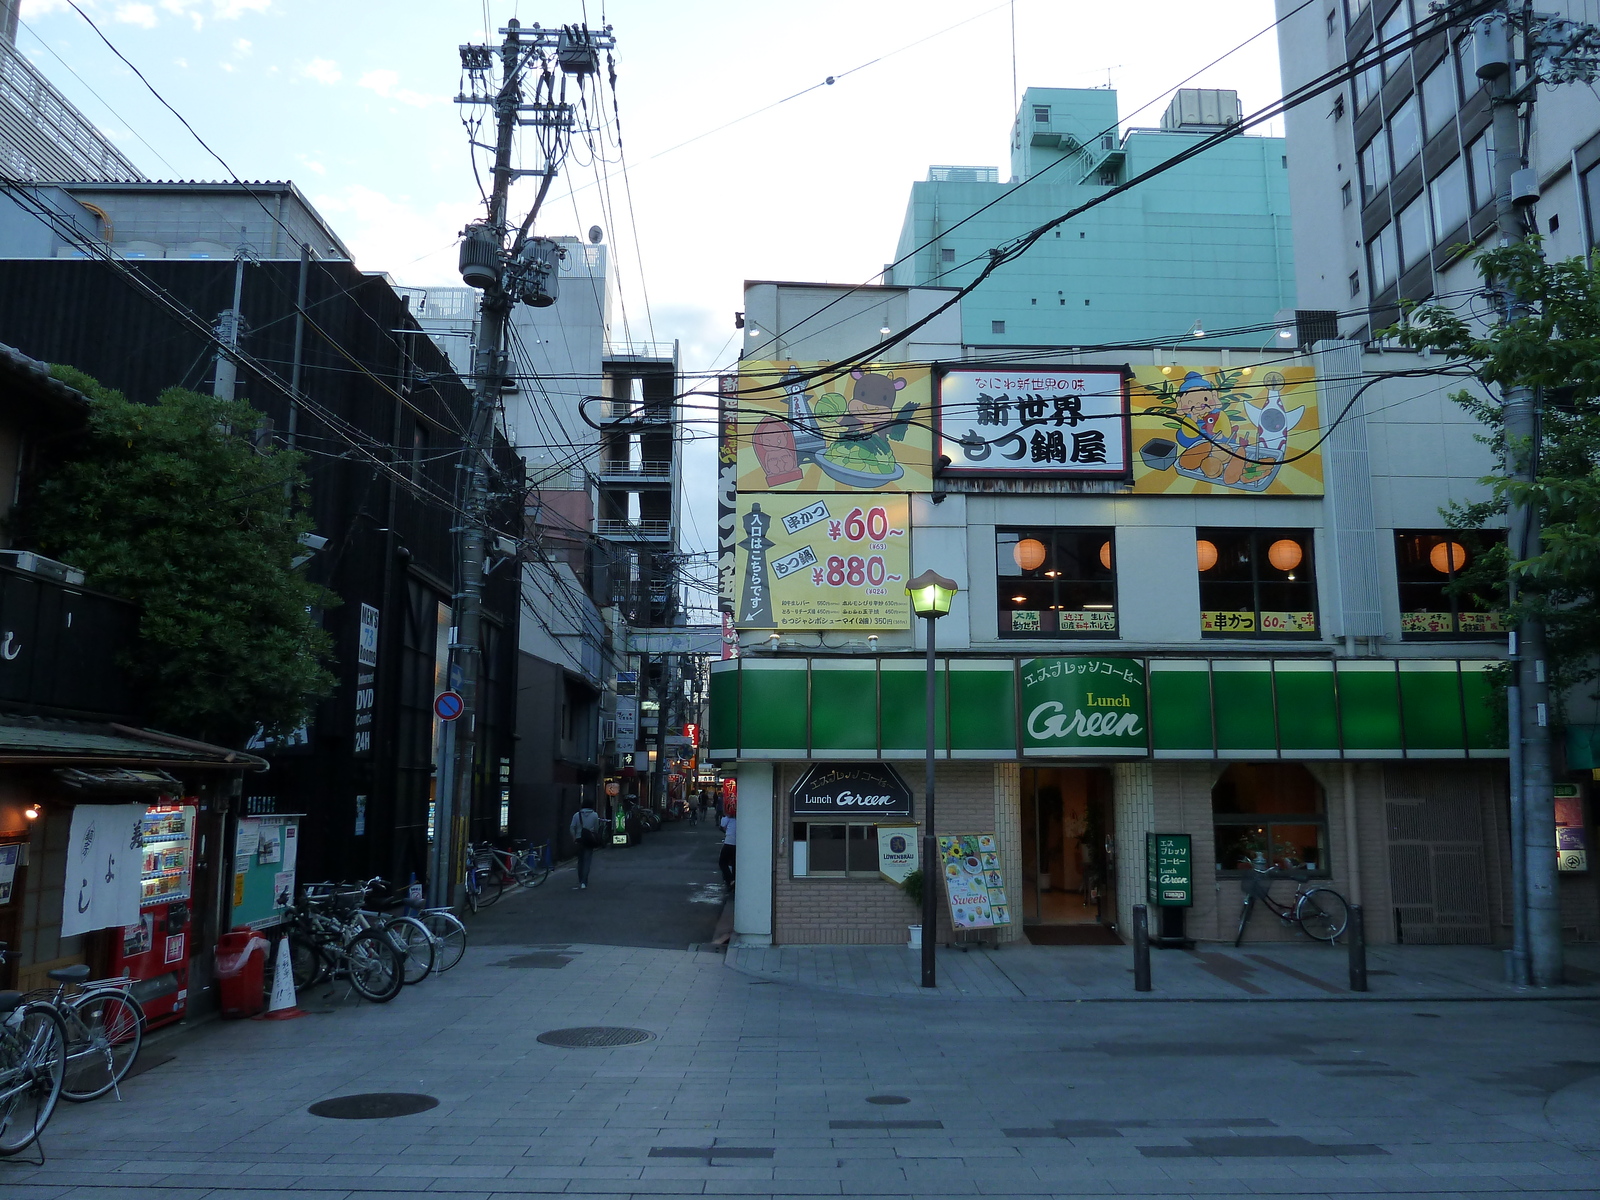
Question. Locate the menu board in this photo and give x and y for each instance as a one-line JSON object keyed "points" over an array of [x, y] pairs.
{"points": [[973, 881]]}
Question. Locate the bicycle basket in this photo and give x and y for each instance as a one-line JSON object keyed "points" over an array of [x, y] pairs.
{"points": [[1255, 884]]}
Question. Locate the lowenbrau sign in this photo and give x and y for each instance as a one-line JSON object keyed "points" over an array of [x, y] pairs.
{"points": [[1084, 707], [860, 791]]}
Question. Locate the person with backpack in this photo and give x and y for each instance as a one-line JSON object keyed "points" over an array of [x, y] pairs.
{"points": [[728, 859], [586, 833]]}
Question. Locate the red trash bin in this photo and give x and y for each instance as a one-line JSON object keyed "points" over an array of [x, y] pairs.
{"points": [[241, 965]]}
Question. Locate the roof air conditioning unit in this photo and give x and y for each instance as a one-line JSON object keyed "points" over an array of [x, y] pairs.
{"points": [[38, 564]]}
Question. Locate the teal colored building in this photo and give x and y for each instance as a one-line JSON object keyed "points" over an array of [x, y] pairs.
{"points": [[1207, 242]]}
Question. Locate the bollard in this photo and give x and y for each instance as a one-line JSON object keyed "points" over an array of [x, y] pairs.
{"points": [[1356, 931], [1141, 949]]}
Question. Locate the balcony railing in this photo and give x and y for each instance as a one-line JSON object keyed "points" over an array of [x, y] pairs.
{"points": [[664, 350], [628, 410], [643, 470], [635, 529]]}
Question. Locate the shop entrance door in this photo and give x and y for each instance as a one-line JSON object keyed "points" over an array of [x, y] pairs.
{"points": [[1068, 893]]}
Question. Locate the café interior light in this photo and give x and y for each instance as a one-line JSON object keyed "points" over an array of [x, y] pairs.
{"points": [[1285, 554], [1105, 555], [1205, 554], [931, 594], [1448, 557], [1028, 554]]}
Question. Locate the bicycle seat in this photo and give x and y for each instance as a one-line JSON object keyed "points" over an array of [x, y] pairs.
{"points": [[76, 973], [9, 1001]]}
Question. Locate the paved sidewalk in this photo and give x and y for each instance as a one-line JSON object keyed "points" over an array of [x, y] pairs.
{"points": [[1211, 971]]}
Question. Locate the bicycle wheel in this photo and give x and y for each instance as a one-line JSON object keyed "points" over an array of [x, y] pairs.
{"points": [[533, 870], [104, 1033], [376, 970], [308, 960], [415, 943], [489, 888], [33, 1062], [449, 938], [1244, 916], [1322, 913]]}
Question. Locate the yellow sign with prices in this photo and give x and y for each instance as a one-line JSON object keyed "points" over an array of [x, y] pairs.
{"points": [[822, 561], [863, 430], [1226, 431]]}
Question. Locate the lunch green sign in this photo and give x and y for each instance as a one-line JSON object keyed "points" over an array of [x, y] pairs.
{"points": [[1084, 708], [1169, 864]]}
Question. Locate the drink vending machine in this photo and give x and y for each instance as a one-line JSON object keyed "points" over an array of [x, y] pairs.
{"points": [[155, 951]]}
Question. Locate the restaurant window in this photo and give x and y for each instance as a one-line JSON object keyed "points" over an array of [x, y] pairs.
{"points": [[1058, 583], [1427, 564], [825, 848], [1256, 583], [1272, 813]]}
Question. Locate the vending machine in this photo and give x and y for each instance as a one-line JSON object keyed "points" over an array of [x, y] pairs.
{"points": [[155, 951]]}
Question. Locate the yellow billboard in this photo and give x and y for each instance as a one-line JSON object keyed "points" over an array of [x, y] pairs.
{"points": [[822, 562], [864, 430], [1221, 431]]}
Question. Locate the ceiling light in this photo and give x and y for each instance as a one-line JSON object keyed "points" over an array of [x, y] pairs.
{"points": [[1020, 599]]}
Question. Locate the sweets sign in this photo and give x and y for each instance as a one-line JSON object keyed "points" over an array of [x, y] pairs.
{"points": [[973, 881]]}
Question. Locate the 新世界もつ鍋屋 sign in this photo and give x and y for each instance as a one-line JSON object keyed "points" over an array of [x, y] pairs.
{"points": [[1226, 431], [1040, 421], [860, 791], [865, 430], [821, 562], [1084, 707]]}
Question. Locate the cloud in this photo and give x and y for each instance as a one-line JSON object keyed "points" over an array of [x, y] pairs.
{"points": [[323, 70], [38, 8], [232, 10], [383, 82], [312, 164], [141, 15], [390, 234], [241, 47]]}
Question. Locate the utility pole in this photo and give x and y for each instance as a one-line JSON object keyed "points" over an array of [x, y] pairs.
{"points": [[508, 265], [228, 330]]}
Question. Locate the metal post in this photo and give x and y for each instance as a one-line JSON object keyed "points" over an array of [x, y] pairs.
{"points": [[227, 373], [1356, 931], [1517, 966], [1141, 948], [658, 778], [931, 873]]}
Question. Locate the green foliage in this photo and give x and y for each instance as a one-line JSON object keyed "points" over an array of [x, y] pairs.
{"points": [[1553, 347], [912, 886], [173, 506]]}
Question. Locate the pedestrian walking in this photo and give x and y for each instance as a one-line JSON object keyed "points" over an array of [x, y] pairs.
{"points": [[728, 860], [705, 804], [586, 833]]}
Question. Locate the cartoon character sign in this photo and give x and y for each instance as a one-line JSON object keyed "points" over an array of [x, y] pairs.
{"points": [[1209, 430], [862, 430]]}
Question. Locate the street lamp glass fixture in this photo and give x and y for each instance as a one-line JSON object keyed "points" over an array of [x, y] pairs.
{"points": [[931, 594]]}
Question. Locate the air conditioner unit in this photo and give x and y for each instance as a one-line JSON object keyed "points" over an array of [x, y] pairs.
{"points": [[608, 731], [37, 564]]}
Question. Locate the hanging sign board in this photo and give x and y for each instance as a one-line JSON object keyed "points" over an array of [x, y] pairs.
{"points": [[973, 882], [1084, 707], [103, 869], [897, 851], [1040, 422], [860, 791], [1169, 867]]}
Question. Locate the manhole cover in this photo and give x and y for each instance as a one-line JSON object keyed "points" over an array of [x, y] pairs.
{"points": [[372, 1106], [542, 959], [888, 1100], [585, 1036]]}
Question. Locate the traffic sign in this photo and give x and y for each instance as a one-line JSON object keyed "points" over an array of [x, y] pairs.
{"points": [[447, 706]]}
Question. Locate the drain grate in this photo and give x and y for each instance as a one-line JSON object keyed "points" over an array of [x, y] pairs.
{"points": [[585, 1037], [888, 1100], [372, 1106]]}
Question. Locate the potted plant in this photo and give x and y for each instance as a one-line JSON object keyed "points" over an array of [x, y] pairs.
{"points": [[912, 886]]}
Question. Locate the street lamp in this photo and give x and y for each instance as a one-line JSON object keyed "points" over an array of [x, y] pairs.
{"points": [[931, 594]]}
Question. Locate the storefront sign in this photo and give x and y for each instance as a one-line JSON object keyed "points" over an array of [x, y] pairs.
{"points": [[973, 882], [627, 720], [823, 562], [1034, 421], [897, 851], [104, 863], [9, 857], [863, 791], [866, 430], [1572, 835], [1084, 707], [1169, 865], [366, 680]]}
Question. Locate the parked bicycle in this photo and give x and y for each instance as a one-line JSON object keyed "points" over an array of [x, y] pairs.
{"points": [[1320, 912], [482, 886], [324, 946], [104, 1026], [449, 934], [528, 865], [410, 936], [33, 1064]]}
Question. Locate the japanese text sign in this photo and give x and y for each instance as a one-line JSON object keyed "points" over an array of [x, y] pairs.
{"points": [[1078, 707], [1169, 868], [1034, 421]]}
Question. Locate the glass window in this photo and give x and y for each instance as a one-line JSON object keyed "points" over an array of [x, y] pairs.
{"points": [[1269, 814], [1432, 605], [1367, 81], [1590, 182], [1256, 583], [1354, 8], [1383, 259], [1041, 114], [1439, 96], [835, 849], [1447, 192], [1405, 133], [1415, 237], [1396, 29], [1374, 167], [1465, 61], [1058, 583], [1480, 156]]}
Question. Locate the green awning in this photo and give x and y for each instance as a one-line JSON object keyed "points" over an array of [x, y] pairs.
{"points": [[874, 708]]}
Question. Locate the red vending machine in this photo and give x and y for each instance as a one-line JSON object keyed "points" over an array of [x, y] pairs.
{"points": [[155, 952]]}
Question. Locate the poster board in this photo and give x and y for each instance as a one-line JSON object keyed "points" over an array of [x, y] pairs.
{"points": [[973, 881], [897, 851], [266, 850]]}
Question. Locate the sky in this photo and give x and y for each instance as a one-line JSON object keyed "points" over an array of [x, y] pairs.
{"points": [[353, 101]]}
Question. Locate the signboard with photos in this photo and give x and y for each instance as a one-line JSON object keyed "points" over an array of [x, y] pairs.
{"points": [[973, 881]]}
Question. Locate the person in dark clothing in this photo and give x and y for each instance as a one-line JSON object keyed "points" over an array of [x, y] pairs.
{"points": [[728, 860], [586, 833]]}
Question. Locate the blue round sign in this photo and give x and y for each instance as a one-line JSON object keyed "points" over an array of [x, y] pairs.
{"points": [[447, 706]]}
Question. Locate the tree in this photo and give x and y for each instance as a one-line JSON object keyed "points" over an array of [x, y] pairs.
{"points": [[1551, 345], [175, 506]]}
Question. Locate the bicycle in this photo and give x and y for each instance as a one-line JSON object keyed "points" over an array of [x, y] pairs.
{"points": [[449, 934], [1320, 912], [483, 888], [410, 936], [105, 1029], [33, 1064], [324, 947], [527, 864]]}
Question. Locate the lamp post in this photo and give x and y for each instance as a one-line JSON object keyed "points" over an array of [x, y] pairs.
{"points": [[931, 594]]}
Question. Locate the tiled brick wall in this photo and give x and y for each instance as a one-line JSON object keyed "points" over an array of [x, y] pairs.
{"points": [[873, 910]]}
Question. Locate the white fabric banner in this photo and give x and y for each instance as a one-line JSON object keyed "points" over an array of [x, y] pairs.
{"points": [[104, 863]]}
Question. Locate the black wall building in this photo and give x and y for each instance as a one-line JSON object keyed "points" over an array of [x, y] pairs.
{"points": [[381, 420]]}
